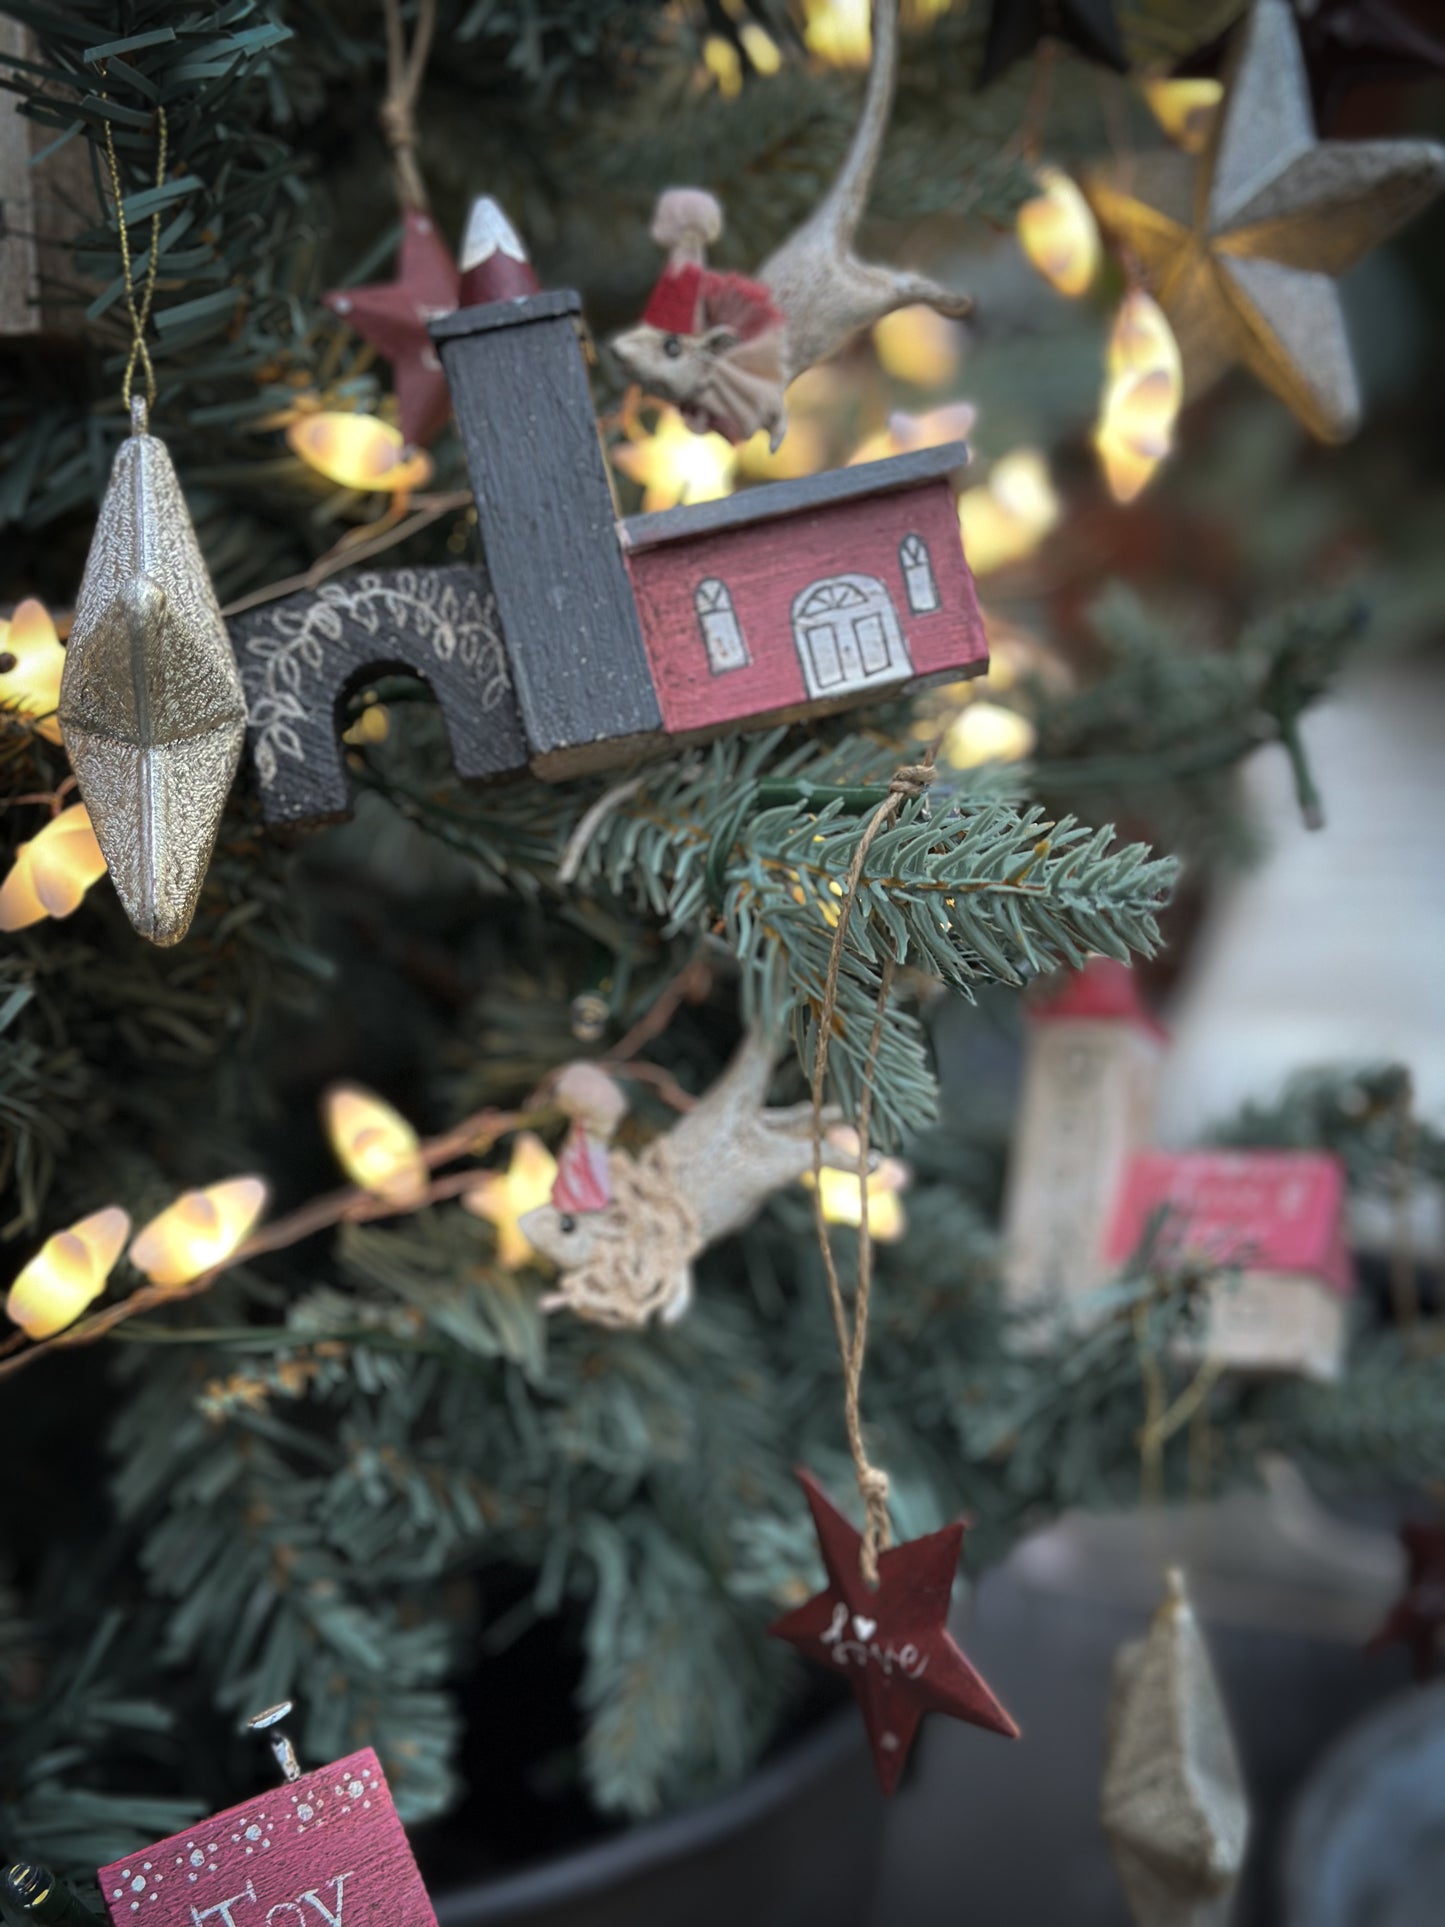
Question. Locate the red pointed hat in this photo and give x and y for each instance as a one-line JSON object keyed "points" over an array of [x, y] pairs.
{"points": [[1102, 991], [584, 1180], [675, 304]]}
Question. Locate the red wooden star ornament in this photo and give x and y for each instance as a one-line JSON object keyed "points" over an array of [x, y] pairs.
{"points": [[892, 1641], [1417, 1618], [393, 315]]}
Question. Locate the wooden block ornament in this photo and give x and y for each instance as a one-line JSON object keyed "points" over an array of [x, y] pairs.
{"points": [[303, 656], [578, 642], [324, 1849], [1092, 1061], [1270, 1226]]}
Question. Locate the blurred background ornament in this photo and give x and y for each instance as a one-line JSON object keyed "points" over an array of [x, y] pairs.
{"points": [[1417, 1619], [1173, 1798], [673, 464], [1240, 248], [67, 1273], [393, 317], [1093, 1056]]}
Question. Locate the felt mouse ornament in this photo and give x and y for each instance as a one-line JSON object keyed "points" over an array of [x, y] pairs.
{"points": [[629, 1258], [723, 347]]}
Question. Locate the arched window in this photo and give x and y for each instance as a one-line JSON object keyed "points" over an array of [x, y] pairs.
{"points": [[918, 575], [721, 632]]}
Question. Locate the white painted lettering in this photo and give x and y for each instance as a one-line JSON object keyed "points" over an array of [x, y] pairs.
{"points": [[332, 1920], [223, 1907]]}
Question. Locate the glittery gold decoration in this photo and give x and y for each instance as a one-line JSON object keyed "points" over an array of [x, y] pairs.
{"points": [[1173, 1800], [1240, 247], [151, 708]]}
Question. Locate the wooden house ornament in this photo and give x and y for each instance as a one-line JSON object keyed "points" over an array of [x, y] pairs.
{"points": [[580, 642], [1271, 1226], [1092, 1062]]}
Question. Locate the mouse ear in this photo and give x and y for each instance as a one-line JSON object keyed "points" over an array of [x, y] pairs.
{"points": [[721, 340]]}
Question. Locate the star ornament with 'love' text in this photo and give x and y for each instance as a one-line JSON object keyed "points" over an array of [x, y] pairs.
{"points": [[891, 1642]]}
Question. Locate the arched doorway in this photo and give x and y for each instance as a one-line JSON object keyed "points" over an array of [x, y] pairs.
{"points": [[847, 634]]}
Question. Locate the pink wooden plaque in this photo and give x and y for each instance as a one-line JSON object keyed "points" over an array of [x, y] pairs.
{"points": [[1277, 1211], [811, 610], [326, 1850]]}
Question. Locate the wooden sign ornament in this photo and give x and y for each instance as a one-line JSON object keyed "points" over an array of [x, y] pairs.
{"points": [[324, 1849], [725, 347]]}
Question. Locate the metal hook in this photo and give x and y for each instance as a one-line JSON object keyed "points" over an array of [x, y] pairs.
{"points": [[269, 1723]]}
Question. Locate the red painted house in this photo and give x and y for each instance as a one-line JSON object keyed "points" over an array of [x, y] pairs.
{"points": [[805, 595]]}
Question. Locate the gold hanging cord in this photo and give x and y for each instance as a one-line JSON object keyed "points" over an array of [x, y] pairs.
{"points": [[140, 313]]}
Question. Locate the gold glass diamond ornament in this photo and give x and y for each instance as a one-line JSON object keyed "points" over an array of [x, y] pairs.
{"points": [[152, 712], [1240, 247]]}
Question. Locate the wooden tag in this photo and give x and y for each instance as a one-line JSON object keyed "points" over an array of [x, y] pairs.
{"points": [[326, 1850]]}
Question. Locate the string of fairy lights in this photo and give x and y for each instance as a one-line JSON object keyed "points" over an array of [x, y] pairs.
{"points": [[1003, 520]]}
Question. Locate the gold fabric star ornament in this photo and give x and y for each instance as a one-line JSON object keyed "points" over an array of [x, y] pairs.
{"points": [[1241, 246]]}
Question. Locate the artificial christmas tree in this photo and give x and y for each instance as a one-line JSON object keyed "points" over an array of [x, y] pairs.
{"points": [[615, 793]]}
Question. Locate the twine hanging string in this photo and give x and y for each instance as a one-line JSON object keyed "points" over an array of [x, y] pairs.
{"points": [[140, 311], [909, 783], [404, 69]]}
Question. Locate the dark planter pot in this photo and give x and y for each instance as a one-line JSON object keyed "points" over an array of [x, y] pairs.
{"points": [[797, 1845], [1367, 1842]]}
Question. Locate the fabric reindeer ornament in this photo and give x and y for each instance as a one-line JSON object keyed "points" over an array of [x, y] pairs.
{"points": [[724, 348]]}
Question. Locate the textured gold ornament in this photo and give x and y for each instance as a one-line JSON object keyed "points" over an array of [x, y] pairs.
{"points": [[1173, 1802], [152, 712], [1239, 247]]}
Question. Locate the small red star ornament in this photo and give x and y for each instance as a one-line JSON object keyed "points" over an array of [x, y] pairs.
{"points": [[1417, 1618], [393, 317], [892, 1640]]}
